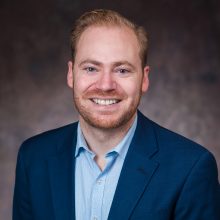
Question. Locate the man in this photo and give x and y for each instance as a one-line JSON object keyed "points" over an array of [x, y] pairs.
{"points": [[114, 163]]}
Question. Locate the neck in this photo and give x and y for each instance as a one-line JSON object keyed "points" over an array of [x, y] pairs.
{"points": [[100, 141]]}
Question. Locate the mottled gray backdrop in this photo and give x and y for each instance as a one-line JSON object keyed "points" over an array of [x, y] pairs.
{"points": [[184, 57]]}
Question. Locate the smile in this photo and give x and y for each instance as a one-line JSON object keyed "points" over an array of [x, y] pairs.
{"points": [[105, 101]]}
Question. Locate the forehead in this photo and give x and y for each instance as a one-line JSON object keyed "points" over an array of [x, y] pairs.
{"points": [[108, 43]]}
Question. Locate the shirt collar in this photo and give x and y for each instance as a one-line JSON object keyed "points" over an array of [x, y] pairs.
{"points": [[121, 148], [81, 142]]}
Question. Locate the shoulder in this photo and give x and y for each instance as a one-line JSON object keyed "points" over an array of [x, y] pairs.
{"points": [[47, 143], [171, 144], [185, 170], [178, 154]]}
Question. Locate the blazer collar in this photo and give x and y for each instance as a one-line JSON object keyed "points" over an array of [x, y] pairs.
{"points": [[61, 174], [137, 170]]}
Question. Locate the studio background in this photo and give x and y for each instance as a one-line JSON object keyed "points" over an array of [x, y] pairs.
{"points": [[184, 57]]}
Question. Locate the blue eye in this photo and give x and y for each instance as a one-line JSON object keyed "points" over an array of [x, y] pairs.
{"points": [[123, 71], [90, 69]]}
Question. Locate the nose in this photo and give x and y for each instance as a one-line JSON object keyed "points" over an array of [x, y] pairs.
{"points": [[106, 82]]}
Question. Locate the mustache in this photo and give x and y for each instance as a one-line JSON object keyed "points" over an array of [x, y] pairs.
{"points": [[100, 93]]}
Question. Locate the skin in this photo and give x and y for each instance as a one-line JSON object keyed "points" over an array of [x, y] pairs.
{"points": [[107, 66]]}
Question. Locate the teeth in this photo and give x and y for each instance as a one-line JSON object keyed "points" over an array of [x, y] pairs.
{"points": [[105, 101]]}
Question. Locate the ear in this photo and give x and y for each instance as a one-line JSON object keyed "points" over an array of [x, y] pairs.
{"points": [[145, 81], [70, 74]]}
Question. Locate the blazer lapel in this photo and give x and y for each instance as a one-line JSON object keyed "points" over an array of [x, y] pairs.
{"points": [[137, 170], [61, 174]]}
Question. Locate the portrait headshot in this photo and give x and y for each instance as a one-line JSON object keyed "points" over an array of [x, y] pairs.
{"points": [[117, 119]]}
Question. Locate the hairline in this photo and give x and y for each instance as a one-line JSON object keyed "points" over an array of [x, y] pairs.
{"points": [[111, 25]]}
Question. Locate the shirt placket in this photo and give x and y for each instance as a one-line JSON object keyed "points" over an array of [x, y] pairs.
{"points": [[98, 190]]}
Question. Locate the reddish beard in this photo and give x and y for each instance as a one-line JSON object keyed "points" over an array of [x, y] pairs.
{"points": [[97, 93], [106, 120]]}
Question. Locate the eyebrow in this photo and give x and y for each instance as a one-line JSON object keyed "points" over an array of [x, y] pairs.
{"points": [[115, 64], [90, 61], [120, 63]]}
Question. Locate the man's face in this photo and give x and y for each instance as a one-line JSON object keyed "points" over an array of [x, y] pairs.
{"points": [[107, 76]]}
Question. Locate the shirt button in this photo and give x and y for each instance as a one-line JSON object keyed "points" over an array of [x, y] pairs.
{"points": [[99, 182], [95, 218]]}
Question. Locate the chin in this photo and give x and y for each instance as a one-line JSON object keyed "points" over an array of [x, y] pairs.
{"points": [[108, 121]]}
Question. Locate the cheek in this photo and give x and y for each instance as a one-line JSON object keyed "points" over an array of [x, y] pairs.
{"points": [[131, 87], [81, 84]]}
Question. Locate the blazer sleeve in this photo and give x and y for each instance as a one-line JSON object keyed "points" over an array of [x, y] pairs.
{"points": [[21, 200], [200, 195]]}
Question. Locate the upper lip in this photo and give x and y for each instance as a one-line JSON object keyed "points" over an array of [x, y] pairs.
{"points": [[106, 98]]}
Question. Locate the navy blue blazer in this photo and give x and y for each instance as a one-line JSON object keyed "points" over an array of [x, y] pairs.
{"points": [[164, 177]]}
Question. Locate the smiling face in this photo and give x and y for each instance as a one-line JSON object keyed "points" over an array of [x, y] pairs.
{"points": [[107, 77]]}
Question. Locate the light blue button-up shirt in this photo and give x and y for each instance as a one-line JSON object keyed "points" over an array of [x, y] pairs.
{"points": [[94, 189]]}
